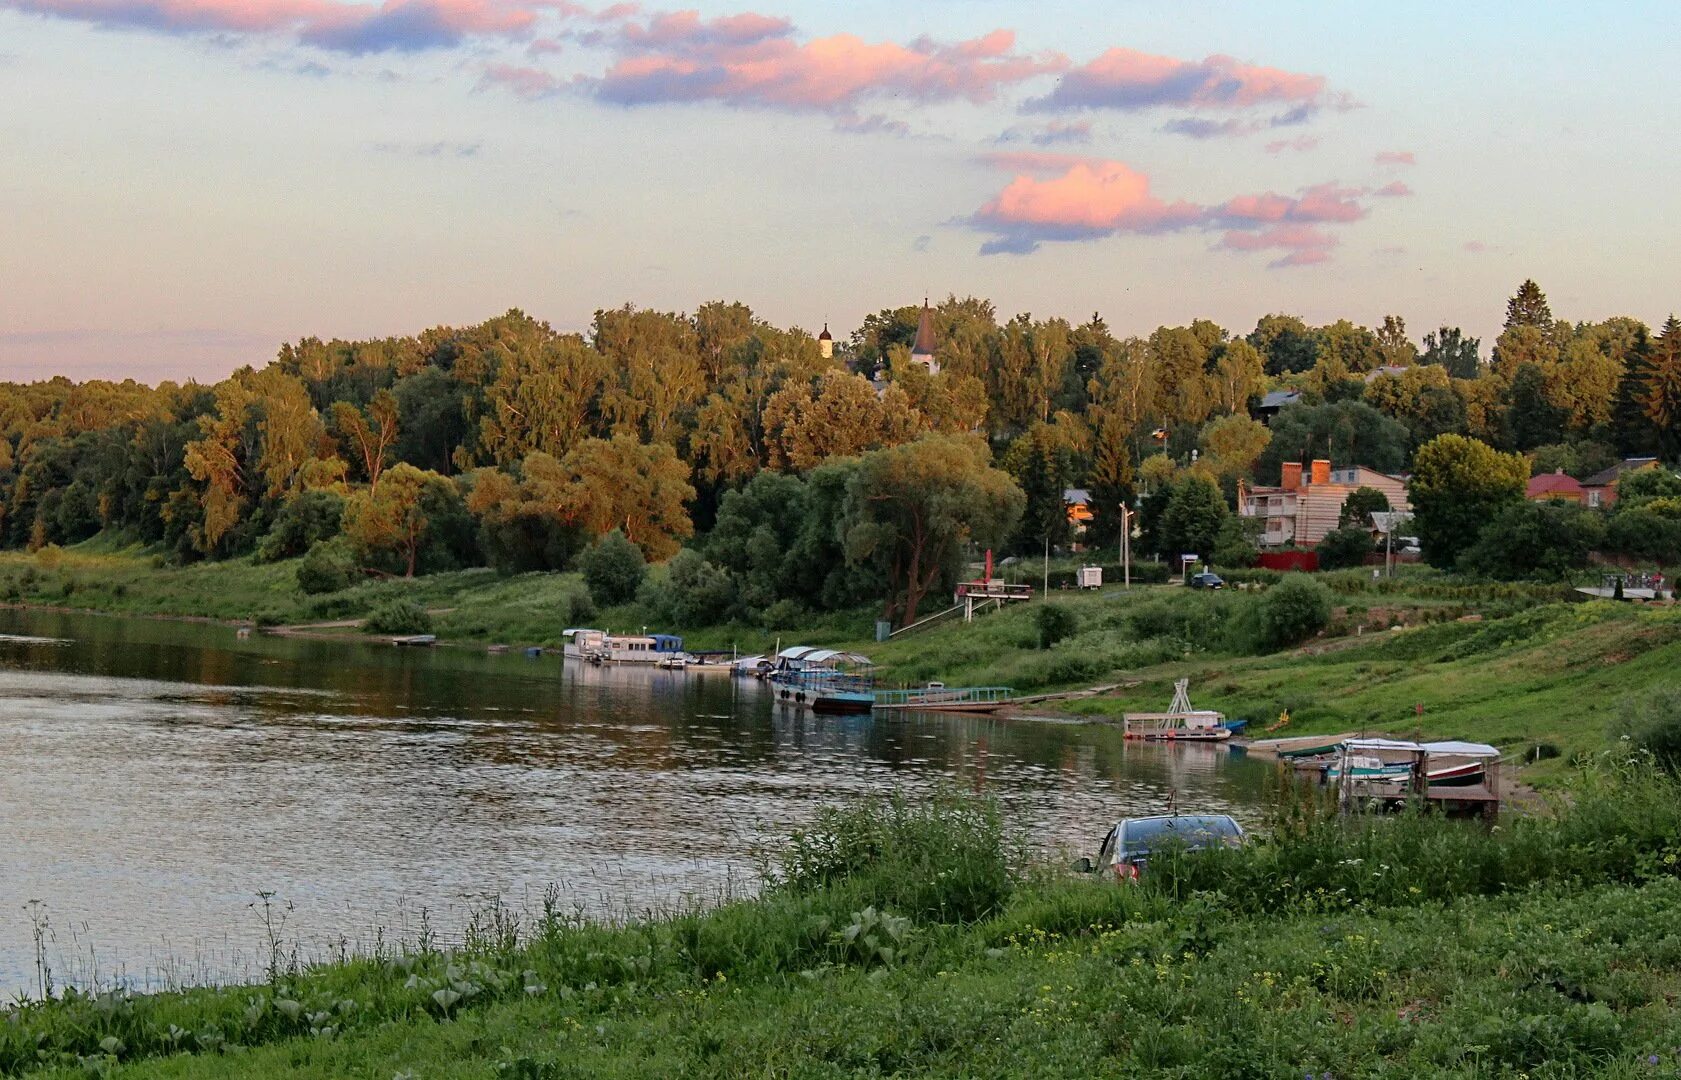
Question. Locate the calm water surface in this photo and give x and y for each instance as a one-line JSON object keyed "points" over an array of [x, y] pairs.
{"points": [[155, 776]]}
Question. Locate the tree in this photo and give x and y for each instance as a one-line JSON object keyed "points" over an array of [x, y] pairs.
{"points": [[1395, 348], [303, 521], [638, 488], [370, 436], [1043, 468], [1346, 432], [1528, 307], [840, 417], [911, 507], [1452, 350], [1344, 547], [1193, 518], [1533, 418], [1660, 397], [1239, 374], [1458, 486], [1286, 342], [388, 527], [613, 569], [1530, 539], [1643, 487], [1232, 444], [1361, 504]]}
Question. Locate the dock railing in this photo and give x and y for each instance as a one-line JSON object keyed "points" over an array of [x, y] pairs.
{"points": [[930, 697]]}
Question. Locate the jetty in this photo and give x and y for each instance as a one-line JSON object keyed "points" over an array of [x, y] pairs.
{"points": [[936, 698]]}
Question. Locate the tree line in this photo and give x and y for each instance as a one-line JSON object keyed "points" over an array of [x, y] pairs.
{"points": [[514, 445]]}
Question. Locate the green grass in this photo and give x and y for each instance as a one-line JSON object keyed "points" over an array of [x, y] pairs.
{"points": [[908, 939]]}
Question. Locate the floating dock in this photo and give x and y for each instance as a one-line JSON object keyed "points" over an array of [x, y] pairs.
{"points": [[977, 699]]}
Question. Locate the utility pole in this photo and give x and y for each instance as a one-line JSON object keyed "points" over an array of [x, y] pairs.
{"points": [[1126, 545], [1047, 582]]}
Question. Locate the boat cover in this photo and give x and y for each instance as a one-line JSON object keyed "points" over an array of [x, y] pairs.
{"points": [[1462, 749], [1381, 744]]}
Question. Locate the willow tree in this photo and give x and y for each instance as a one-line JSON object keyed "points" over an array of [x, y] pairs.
{"points": [[911, 508]]}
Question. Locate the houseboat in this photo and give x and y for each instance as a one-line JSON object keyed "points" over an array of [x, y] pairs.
{"points": [[825, 680], [600, 647]]}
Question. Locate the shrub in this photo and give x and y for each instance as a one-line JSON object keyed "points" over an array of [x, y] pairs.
{"points": [[613, 569], [1652, 722], [304, 520], [399, 616], [577, 609], [328, 567], [694, 592], [1054, 622], [1345, 547], [1529, 539], [1292, 611]]}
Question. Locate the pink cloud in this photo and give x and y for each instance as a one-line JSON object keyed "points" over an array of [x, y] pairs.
{"points": [[396, 25], [1475, 247], [1299, 143], [1066, 197], [1395, 157], [1319, 203], [1394, 190], [1090, 198], [526, 82], [1130, 79], [747, 61]]}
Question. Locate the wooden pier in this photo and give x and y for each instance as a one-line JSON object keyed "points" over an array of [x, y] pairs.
{"points": [[978, 699]]}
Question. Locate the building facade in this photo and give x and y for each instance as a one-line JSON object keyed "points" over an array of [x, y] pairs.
{"points": [[1306, 505]]}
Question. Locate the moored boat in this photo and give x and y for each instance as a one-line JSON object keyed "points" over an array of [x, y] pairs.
{"points": [[826, 680], [1180, 723], [601, 647]]}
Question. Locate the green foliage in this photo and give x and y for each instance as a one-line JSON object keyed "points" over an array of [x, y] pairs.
{"points": [[691, 593], [398, 616], [328, 567], [1054, 622], [1641, 487], [1195, 514], [1360, 505], [1645, 534], [613, 569], [1651, 722], [1238, 543], [1458, 486], [1344, 547], [304, 520], [1346, 432], [1292, 611], [1527, 539]]}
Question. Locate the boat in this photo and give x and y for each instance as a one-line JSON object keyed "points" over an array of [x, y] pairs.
{"points": [[420, 641], [601, 647], [672, 662], [1446, 764], [1180, 723], [826, 680]]}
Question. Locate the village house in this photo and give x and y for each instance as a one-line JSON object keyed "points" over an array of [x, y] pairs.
{"points": [[1554, 486], [1600, 489], [1304, 507]]}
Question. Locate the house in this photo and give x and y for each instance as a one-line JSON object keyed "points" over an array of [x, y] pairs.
{"points": [[1600, 489], [1302, 509], [1273, 402], [1078, 501], [1554, 486]]}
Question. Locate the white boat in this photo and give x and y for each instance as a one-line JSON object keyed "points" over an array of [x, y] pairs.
{"points": [[600, 647]]}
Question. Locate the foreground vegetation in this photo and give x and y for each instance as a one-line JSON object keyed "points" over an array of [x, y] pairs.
{"points": [[899, 939]]}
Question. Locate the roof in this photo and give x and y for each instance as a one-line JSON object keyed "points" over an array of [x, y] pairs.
{"points": [[924, 345], [825, 335], [807, 654], [1073, 496], [1386, 369], [1553, 483], [1607, 477], [1381, 744], [1277, 399]]}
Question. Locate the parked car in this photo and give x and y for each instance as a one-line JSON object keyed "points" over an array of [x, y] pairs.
{"points": [[1207, 580], [1127, 847]]}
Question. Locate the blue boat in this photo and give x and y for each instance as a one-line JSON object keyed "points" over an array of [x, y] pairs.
{"points": [[825, 680]]}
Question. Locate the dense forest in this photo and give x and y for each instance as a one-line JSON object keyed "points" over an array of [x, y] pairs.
{"points": [[789, 476]]}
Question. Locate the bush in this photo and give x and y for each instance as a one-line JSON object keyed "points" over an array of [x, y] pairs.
{"points": [[693, 593], [1652, 722], [613, 569], [305, 520], [1054, 622], [1292, 611], [1529, 539], [399, 616], [328, 567], [1343, 548]]}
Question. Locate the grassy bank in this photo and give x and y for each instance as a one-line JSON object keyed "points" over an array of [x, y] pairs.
{"points": [[898, 939]]}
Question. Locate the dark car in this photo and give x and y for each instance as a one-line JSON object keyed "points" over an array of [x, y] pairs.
{"points": [[1207, 580], [1126, 849]]}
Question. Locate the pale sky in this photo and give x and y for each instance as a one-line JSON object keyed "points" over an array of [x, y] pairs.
{"points": [[188, 183]]}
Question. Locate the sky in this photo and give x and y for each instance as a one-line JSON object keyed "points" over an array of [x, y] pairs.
{"points": [[186, 184]]}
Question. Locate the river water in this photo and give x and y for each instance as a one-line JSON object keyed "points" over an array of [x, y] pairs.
{"points": [[157, 776]]}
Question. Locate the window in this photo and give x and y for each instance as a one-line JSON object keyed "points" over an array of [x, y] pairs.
{"points": [[1593, 498]]}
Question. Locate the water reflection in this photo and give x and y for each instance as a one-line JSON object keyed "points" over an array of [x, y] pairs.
{"points": [[155, 775]]}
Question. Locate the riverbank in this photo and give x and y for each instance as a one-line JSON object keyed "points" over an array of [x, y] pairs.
{"points": [[1530, 668], [910, 939]]}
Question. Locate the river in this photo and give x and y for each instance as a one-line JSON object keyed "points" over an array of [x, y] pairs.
{"points": [[157, 776]]}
